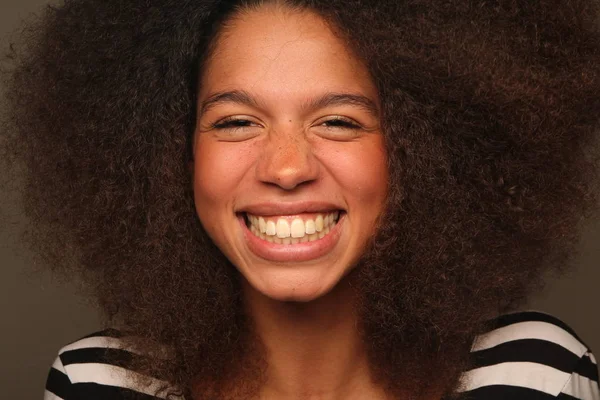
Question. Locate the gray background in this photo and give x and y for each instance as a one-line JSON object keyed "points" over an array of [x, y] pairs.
{"points": [[40, 314]]}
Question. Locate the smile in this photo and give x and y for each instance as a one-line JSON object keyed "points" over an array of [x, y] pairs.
{"points": [[290, 230]]}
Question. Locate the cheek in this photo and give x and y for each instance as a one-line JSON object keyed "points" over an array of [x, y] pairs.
{"points": [[361, 170], [219, 168]]}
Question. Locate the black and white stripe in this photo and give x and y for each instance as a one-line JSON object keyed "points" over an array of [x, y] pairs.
{"points": [[525, 356], [531, 355], [82, 371]]}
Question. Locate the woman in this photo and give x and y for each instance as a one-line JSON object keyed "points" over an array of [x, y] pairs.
{"points": [[312, 200]]}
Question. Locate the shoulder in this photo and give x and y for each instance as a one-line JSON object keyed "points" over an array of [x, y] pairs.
{"points": [[88, 369], [531, 355]]}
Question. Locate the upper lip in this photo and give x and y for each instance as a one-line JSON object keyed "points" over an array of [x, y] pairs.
{"points": [[272, 208]]}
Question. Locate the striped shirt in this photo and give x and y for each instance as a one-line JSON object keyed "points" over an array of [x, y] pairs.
{"points": [[526, 355]]}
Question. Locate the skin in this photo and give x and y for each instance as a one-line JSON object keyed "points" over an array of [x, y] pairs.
{"points": [[284, 152], [288, 152]]}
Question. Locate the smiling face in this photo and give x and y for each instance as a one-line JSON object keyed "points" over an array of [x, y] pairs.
{"points": [[290, 169]]}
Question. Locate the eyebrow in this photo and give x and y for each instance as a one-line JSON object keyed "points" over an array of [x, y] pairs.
{"points": [[335, 99], [233, 96], [327, 100]]}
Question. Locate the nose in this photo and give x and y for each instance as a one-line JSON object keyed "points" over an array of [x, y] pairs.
{"points": [[287, 160]]}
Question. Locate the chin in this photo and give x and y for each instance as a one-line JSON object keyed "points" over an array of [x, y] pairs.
{"points": [[295, 286], [294, 290], [293, 296]]}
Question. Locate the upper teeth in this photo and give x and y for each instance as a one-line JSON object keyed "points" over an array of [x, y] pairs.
{"points": [[282, 227]]}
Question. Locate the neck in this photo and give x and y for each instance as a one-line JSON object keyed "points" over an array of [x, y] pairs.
{"points": [[313, 349]]}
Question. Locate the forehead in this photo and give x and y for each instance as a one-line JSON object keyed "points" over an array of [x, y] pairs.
{"points": [[279, 51]]}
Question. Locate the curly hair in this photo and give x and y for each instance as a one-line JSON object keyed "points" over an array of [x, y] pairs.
{"points": [[490, 116]]}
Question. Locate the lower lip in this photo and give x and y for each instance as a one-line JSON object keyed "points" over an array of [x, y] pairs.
{"points": [[293, 252]]}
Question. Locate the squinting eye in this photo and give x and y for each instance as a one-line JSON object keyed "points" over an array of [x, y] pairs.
{"points": [[341, 123], [235, 129], [233, 123], [338, 128]]}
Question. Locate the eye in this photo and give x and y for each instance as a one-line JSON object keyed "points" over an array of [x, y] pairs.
{"points": [[235, 128], [338, 128], [233, 123], [341, 122]]}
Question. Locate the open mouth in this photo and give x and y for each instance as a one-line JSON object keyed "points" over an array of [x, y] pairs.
{"points": [[292, 229]]}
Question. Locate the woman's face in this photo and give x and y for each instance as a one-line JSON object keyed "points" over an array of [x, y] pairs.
{"points": [[290, 170]]}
